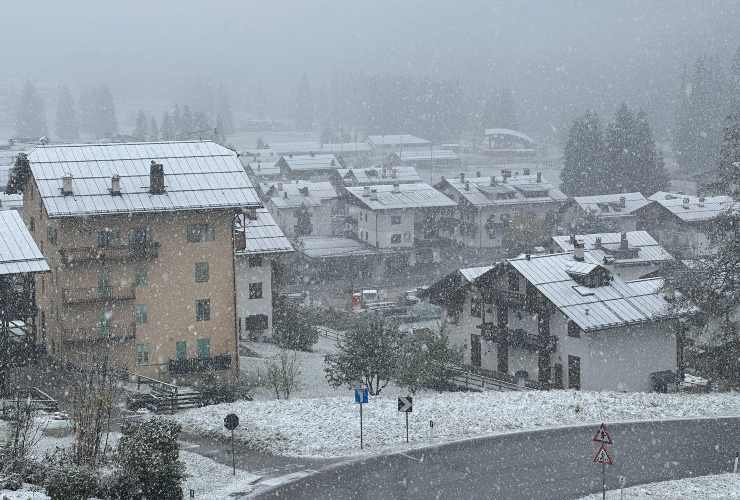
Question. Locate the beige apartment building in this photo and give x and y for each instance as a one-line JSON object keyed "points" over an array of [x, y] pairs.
{"points": [[139, 238]]}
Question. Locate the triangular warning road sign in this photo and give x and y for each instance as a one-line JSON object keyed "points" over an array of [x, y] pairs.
{"points": [[603, 457], [602, 436]]}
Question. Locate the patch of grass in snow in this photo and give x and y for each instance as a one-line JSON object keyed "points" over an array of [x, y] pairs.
{"points": [[328, 427]]}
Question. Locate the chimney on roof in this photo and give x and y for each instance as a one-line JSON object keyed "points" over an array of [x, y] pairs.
{"points": [[578, 251], [685, 202], [462, 176], [374, 194], [623, 243], [477, 173], [467, 185], [396, 187], [598, 242], [156, 178], [285, 195], [67, 185], [527, 256], [572, 239], [493, 180], [701, 201], [115, 185], [539, 176], [622, 201], [525, 171], [366, 191]]}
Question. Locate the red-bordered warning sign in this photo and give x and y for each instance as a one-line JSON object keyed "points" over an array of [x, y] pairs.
{"points": [[603, 457], [602, 436]]}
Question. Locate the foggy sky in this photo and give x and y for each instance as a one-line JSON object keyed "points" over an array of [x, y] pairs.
{"points": [[567, 54]]}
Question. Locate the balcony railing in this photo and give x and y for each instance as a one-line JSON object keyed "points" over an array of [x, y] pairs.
{"points": [[98, 294], [102, 333], [196, 365], [520, 338], [147, 250]]}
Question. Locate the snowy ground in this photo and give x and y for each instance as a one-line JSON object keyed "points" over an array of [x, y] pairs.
{"points": [[207, 478], [313, 380], [719, 487], [329, 427]]}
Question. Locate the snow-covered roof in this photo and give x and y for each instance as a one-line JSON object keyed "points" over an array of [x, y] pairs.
{"points": [[514, 190], [418, 155], [10, 201], [473, 273], [451, 285], [396, 140], [267, 167], [644, 247], [263, 235], [340, 148], [387, 197], [509, 132], [18, 251], [693, 208], [310, 162], [198, 175], [321, 247], [610, 205], [614, 304], [299, 193], [378, 175], [295, 148]]}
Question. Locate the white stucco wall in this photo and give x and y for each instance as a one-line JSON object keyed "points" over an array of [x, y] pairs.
{"points": [[246, 306]]}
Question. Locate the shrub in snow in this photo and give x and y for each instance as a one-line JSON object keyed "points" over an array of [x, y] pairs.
{"points": [[366, 353], [425, 361], [11, 482], [149, 459], [283, 373], [292, 327], [68, 481]]}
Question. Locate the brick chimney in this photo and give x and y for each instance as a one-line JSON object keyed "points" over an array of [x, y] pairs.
{"points": [[623, 243], [462, 176], [622, 201], [578, 251], [67, 185], [115, 185], [156, 178]]}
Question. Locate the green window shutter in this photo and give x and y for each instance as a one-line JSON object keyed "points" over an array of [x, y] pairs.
{"points": [[204, 348], [181, 350]]}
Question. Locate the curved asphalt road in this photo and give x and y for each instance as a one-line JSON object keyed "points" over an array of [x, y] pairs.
{"points": [[548, 464]]}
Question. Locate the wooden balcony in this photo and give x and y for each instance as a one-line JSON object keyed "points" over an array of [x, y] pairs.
{"points": [[148, 250], [519, 338], [94, 335], [187, 366], [98, 294]]}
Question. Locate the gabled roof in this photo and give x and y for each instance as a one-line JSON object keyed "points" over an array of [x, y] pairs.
{"points": [[263, 235], [396, 140], [647, 249], [615, 304], [386, 197], [310, 162], [446, 288], [323, 247], [693, 208], [425, 154], [509, 132], [264, 168], [198, 175], [378, 175], [18, 252], [490, 191], [609, 205], [340, 148], [299, 193]]}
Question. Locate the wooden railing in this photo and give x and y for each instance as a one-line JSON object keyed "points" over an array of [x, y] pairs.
{"points": [[196, 365], [519, 338], [98, 294], [91, 335], [117, 252]]}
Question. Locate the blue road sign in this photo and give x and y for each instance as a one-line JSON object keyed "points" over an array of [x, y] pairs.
{"points": [[361, 393]]}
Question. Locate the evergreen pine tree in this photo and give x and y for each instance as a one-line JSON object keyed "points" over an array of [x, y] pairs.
{"points": [[141, 132], [167, 129], [66, 126], [31, 118], [176, 122], [729, 157], [87, 111], [186, 130], [583, 158], [735, 83], [153, 130], [649, 174], [201, 125], [304, 105], [106, 124], [620, 151], [223, 109]]}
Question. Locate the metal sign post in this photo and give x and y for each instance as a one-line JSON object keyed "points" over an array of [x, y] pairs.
{"points": [[361, 398], [602, 455], [231, 422], [406, 405]]}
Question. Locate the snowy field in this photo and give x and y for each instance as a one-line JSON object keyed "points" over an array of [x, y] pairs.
{"points": [[329, 427], [719, 487]]}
